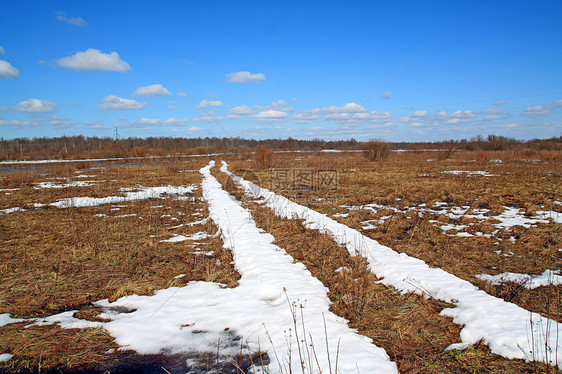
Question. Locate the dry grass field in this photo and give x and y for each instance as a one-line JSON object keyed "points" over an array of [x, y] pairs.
{"points": [[468, 213]]}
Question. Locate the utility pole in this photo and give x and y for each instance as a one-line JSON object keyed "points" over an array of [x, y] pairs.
{"points": [[116, 133]]}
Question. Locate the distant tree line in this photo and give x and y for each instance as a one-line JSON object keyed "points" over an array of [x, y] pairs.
{"points": [[490, 143], [93, 147]]}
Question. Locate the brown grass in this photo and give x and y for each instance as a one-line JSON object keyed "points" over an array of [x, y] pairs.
{"points": [[408, 179], [409, 327], [54, 260]]}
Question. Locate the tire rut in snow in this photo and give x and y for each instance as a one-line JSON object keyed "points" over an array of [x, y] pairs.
{"points": [[507, 329]]}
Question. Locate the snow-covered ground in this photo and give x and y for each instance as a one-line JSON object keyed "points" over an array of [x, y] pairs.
{"points": [[278, 307], [509, 218], [470, 173], [506, 328], [141, 193], [549, 277]]}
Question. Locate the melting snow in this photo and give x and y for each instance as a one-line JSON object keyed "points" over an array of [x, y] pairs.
{"points": [[41, 185], [4, 357], [6, 319], [505, 327], [549, 277], [470, 173], [143, 194], [272, 291]]}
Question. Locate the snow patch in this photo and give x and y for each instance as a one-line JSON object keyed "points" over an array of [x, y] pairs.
{"points": [[143, 194], [505, 327], [549, 277], [470, 173]]}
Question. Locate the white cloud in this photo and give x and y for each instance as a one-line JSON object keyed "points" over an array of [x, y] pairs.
{"points": [[500, 102], [305, 117], [420, 113], [495, 111], [16, 123], [351, 112], [194, 129], [376, 117], [152, 91], [347, 108], [245, 110], [2, 50], [241, 110], [171, 105], [98, 126], [464, 114], [386, 95], [211, 104], [244, 77], [76, 21], [114, 102], [36, 106], [541, 110], [270, 115], [7, 70], [157, 122], [59, 121], [94, 60], [181, 93], [206, 117]]}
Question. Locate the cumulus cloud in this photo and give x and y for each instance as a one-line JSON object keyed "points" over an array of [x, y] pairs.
{"points": [[211, 104], [245, 110], [94, 60], [386, 95], [351, 112], [143, 122], [98, 126], [305, 117], [8, 71], [270, 115], [347, 108], [114, 102], [2, 51], [60, 121], [376, 117], [16, 123], [500, 102], [76, 21], [541, 110], [244, 77], [152, 91], [36, 106]]}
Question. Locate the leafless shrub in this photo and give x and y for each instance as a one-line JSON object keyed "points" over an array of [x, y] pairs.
{"points": [[376, 150], [263, 157]]}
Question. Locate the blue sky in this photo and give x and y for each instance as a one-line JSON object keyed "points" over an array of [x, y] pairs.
{"points": [[396, 70]]}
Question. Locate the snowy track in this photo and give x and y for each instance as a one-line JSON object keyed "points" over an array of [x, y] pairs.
{"points": [[266, 272], [278, 307], [506, 328]]}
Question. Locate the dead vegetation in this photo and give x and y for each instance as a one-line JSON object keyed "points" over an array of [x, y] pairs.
{"points": [[409, 327], [54, 260], [526, 180]]}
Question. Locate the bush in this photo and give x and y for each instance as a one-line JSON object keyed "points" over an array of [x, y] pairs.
{"points": [[263, 157], [376, 150]]}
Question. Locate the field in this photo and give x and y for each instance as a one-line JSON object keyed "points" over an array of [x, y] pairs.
{"points": [[251, 283]]}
